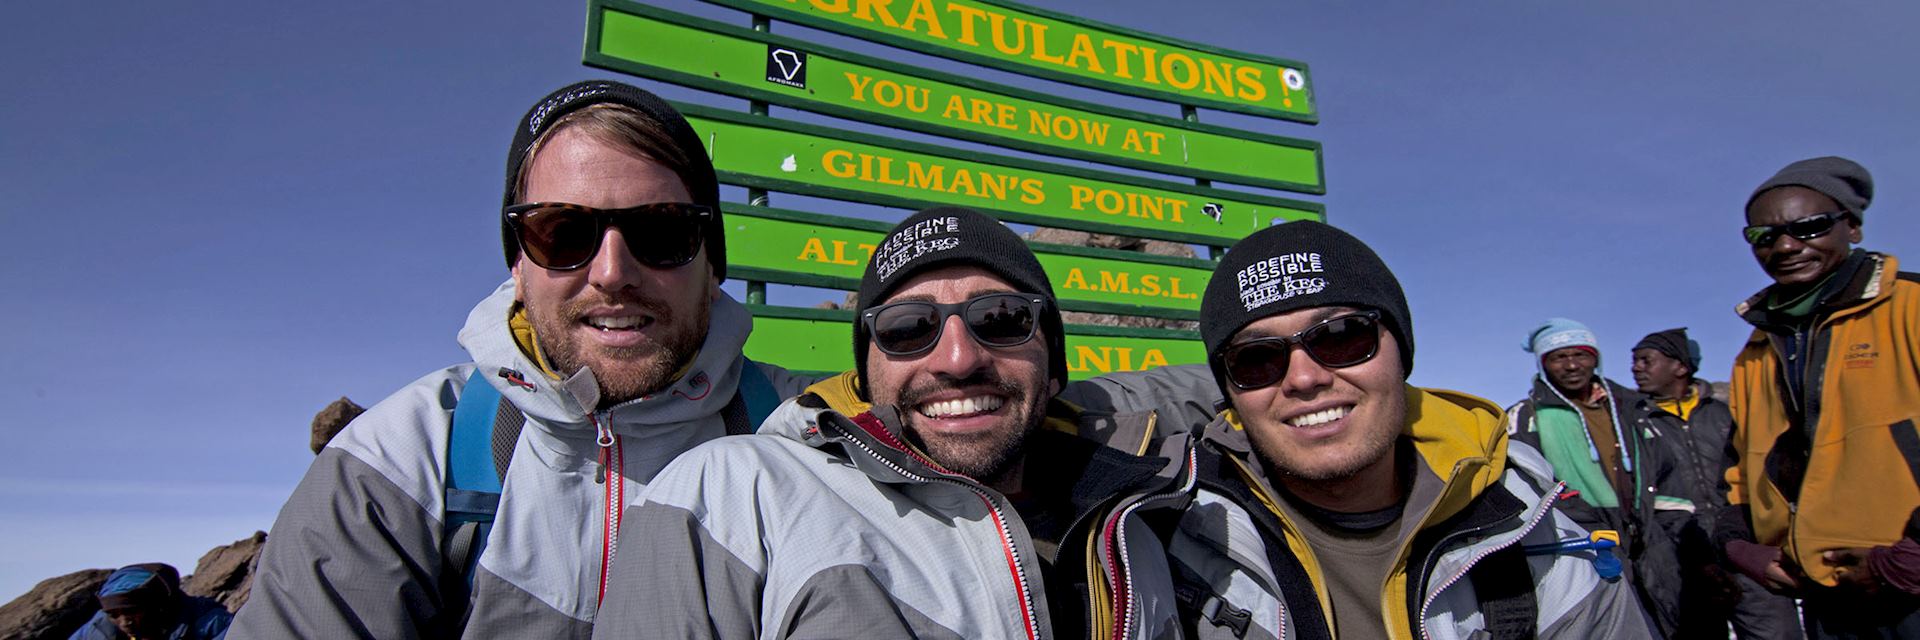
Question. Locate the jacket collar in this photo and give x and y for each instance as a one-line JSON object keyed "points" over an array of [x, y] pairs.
{"points": [[702, 391], [839, 417], [1459, 437], [1862, 279]]}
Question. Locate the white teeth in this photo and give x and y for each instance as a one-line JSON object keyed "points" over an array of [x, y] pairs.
{"points": [[961, 406], [1320, 417], [617, 322]]}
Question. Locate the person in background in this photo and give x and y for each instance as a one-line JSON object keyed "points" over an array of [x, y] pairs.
{"points": [[1600, 438], [144, 602], [1665, 365], [1824, 487]]}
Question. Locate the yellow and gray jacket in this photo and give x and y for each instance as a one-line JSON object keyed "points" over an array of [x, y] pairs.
{"points": [[1839, 467], [829, 524], [1245, 571], [357, 550]]}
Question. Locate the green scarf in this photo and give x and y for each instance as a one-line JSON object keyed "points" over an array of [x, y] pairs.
{"points": [[1563, 439]]}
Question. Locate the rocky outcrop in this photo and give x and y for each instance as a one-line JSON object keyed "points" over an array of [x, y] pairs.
{"points": [[54, 608], [331, 420], [226, 573]]}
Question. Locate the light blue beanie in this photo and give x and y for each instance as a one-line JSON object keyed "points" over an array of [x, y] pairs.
{"points": [[1559, 333]]}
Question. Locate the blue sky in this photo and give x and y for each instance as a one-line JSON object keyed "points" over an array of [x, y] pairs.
{"points": [[220, 216]]}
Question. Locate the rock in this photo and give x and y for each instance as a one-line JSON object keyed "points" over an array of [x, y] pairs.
{"points": [[331, 420], [226, 573], [54, 608], [1720, 390]]}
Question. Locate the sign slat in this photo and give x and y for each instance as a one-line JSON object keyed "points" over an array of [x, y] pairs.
{"points": [[756, 151], [791, 247], [820, 340], [1042, 43], [729, 59]]}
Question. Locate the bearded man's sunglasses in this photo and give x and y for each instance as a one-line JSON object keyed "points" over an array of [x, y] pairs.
{"points": [[563, 237], [1808, 228], [913, 327], [1337, 342]]}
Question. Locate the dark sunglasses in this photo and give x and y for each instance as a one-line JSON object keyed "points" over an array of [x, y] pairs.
{"points": [[914, 327], [563, 237], [1337, 342], [1808, 228]]}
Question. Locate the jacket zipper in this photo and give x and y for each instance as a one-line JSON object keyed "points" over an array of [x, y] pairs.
{"points": [[612, 478], [1541, 512], [1260, 494], [999, 522], [1114, 538]]}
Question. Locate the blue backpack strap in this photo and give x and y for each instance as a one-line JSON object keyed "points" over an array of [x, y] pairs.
{"points": [[472, 493], [757, 391]]}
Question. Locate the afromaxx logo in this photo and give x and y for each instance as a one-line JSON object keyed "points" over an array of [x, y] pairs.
{"points": [[1281, 277], [787, 66]]}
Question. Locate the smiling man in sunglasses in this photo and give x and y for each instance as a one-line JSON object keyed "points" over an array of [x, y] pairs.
{"points": [[1825, 456], [610, 351], [1338, 501], [937, 490]]}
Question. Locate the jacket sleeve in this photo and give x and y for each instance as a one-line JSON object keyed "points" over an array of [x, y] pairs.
{"points": [[1574, 602], [680, 583], [1185, 395], [355, 552]]}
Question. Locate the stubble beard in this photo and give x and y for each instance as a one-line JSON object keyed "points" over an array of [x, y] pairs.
{"points": [[989, 456], [625, 373], [1374, 444]]}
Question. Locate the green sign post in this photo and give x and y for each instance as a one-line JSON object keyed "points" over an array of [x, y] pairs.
{"points": [[757, 151], [709, 55], [1055, 46], [821, 341]]}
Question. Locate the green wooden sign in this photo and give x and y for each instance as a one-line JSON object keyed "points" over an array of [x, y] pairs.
{"points": [[821, 341], [756, 151], [709, 55], [1060, 47], [792, 247]]}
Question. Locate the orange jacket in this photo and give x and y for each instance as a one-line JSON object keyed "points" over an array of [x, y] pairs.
{"points": [[1861, 478]]}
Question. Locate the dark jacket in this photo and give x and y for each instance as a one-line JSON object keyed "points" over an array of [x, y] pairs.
{"points": [[1699, 445]]}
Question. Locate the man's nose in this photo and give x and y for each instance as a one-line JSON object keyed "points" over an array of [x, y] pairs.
{"points": [[613, 267], [957, 354]]}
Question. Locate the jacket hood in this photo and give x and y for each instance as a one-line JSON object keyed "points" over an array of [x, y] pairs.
{"points": [[1462, 438], [703, 390]]}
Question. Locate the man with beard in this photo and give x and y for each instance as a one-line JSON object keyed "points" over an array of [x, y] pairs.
{"points": [[1825, 482], [937, 490], [1335, 500], [1601, 441], [611, 350]]}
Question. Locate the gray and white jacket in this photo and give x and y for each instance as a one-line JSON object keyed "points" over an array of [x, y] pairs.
{"points": [[828, 524], [357, 550], [1246, 572]]}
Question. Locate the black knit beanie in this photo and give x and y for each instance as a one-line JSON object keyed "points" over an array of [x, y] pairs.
{"points": [[1299, 265], [1843, 180], [700, 180], [944, 236], [1673, 343]]}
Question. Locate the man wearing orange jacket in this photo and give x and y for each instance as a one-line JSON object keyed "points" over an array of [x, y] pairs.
{"points": [[1825, 481]]}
